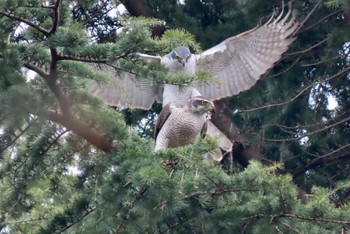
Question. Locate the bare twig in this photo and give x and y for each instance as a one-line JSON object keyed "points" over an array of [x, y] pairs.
{"points": [[310, 133], [299, 94], [329, 157], [310, 48], [308, 16], [319, 21]]}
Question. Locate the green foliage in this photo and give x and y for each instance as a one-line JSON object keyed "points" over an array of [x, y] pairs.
{"points": [[54, 180], [345, 4], [176, 37]]}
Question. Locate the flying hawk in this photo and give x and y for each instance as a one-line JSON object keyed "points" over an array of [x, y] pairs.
{"points": [[236, 64]]}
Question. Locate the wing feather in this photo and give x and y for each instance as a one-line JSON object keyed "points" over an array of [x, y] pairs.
{"points": [[124, 89], [238, 62], [162, 118]]}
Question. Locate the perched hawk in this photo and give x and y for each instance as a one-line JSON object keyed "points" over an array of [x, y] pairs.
{"points": [[180, 125], [236, 64]]}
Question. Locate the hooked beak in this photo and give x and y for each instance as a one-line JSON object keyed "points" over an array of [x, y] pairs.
{"points": [[182, 61], [212, 111]]}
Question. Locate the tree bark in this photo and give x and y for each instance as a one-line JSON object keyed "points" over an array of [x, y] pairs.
{"points": [[83, 130]]}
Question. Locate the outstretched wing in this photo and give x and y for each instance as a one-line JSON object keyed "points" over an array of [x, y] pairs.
{"points": [[238, 62], [124, 89]]}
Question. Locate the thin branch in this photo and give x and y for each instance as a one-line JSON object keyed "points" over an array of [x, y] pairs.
{"points": [[67, 156], [319, 21], [295, 60], [54, 141], [78, 220], [16, 137], [288, 129], [320, 62], [320, 160], [290, 228], [284, 71], [322, 220], [299, 94], [98, 12], [295, 216], [308, 16], [56, 17], [310, 133], [29, 23], [37, 69], [309, 48], [28, 220], [80, 59]]}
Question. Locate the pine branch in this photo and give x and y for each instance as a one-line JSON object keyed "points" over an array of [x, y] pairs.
{"points": [[83, 130], [66, 157], [97, 12], [80, 59], [53, 141], [138, 196], [37, 70], [84, 215], [29, 220], [67, 119], [180, 222], [322, 220], [295, 216], [17, 137], [29, 23], [344, 199], [56, 17], [290, 228]]}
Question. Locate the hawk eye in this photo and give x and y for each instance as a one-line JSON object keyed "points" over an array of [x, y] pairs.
{"points": [[203, 103], [177, 57]]}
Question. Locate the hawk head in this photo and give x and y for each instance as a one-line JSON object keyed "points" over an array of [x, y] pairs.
{"points": [[201, 105], [181, 54]]}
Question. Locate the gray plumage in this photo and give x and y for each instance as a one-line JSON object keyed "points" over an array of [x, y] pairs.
{"points": [[180, 125], [236, 64]]}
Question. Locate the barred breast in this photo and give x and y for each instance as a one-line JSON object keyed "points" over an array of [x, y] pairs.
{"points": [[181, 128]]}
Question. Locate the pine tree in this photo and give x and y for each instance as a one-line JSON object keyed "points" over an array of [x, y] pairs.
{"points": [[71, 164]]}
